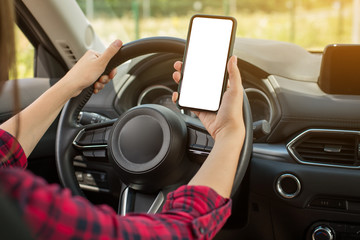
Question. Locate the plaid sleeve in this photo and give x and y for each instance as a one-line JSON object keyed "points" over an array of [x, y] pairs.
{"points": [[11, 152], [207, 209], [191, 212]]}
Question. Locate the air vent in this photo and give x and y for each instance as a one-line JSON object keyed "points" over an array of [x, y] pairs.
{"points": [[67, 52], [340, 148]]}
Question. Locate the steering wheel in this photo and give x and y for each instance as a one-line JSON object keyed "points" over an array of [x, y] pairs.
{"points": [[150, 147]]}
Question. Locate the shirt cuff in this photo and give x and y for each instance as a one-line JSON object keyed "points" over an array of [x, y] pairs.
{"points": [[208, 209]]}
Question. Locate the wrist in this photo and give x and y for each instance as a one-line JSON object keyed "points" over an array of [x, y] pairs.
{"points": [[231, 133], [233, 140], [70, 86]]}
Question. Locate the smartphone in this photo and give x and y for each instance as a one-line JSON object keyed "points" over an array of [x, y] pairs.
{"points": [[209, 46]]}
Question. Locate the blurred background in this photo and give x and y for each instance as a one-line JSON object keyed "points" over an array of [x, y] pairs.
{"points": [[312, 24]]}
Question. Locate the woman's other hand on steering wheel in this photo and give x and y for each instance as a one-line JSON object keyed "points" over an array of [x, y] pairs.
{"points": [[90, 67]]}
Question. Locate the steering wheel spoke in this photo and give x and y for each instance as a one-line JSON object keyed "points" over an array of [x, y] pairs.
{"points": [[200, 142], [93, 137], [131, 200]]}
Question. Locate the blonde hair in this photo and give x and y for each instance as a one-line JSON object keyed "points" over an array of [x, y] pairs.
{"points": [[7, 41], [8, 53]]}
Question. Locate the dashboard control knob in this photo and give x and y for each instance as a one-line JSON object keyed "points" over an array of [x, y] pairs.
{"points": [[322, 233]]}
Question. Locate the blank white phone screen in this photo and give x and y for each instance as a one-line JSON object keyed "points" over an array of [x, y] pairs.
{"points": [[205, 63]]}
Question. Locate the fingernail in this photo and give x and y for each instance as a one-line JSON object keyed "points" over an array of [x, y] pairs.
{"points": [[235, 59], [117, 43]]}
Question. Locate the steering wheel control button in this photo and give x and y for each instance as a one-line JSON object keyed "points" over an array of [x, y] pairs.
{"points": [[192, 137], [85, 138], [79, 176], [201, 141], [322, 233], [107, 134], [90, 138], [88, 153], [92, 178], [99, 136], [210, 143], [89, 179], [200, 138], [288, 186], [100, 153]]}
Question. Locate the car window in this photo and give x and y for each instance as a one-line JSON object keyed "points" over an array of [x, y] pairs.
{"points": [[24, 55], [309, 23]]}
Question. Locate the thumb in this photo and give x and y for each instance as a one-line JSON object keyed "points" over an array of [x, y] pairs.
{"points": [[234, 73], [111, 51]]}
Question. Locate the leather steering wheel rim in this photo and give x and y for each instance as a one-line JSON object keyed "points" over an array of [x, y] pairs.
{"points": [[68, 127]]}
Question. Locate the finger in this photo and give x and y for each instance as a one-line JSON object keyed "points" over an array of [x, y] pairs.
{"points": [[112, 73], [98, 86], [174, 97], [104, 79], [176, 77], [111, 51], [178, 65], [234, 74]]}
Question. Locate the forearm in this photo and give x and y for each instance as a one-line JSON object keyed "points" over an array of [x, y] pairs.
{"points": [[219, 169], [37, 117]]}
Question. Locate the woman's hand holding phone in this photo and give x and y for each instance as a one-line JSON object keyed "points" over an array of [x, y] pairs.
{"points": [[229, 119], [227, 128]]}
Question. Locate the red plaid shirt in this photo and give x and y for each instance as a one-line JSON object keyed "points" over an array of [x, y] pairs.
{"points": [[190, 212]]}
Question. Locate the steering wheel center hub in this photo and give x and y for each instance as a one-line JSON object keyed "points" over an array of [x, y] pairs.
{"points": [[141, 139], [146, 146]]}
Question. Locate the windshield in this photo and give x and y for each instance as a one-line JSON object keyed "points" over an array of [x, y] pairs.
{"points": [[312, 24]]}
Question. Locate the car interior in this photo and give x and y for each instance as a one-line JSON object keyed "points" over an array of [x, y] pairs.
{"points": [[299, 169]]}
